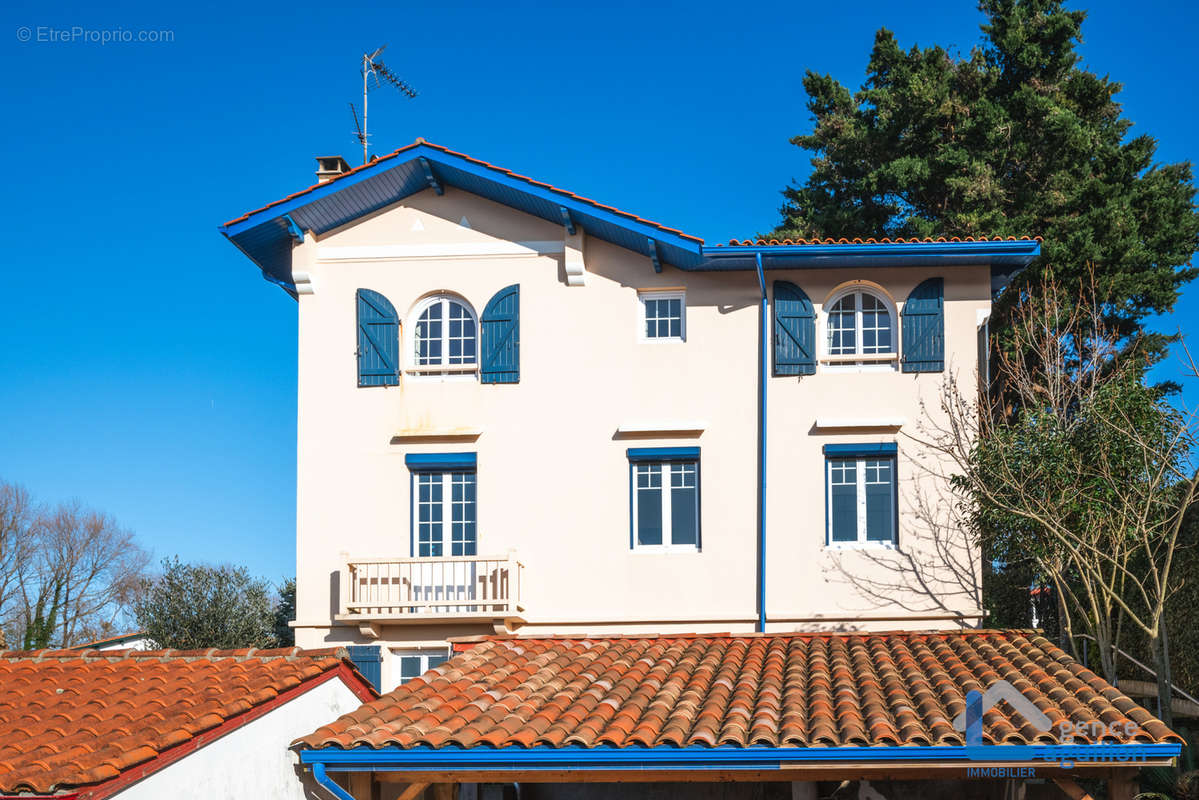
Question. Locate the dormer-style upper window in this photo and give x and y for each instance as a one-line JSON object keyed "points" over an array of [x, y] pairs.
{"points": [[445, 337], [860, 330]]}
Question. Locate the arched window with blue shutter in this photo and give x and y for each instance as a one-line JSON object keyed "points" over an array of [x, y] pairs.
{"points": [[794, 331], [378, 341], [501, 337], [924, 328]]}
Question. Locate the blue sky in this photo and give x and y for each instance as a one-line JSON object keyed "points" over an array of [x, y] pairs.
{"points": [[149, 371]]}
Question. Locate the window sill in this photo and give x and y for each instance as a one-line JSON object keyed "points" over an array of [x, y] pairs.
{"points": [[441, 369], [662, 340], [861, 546], [859, 358], [662, 550]]}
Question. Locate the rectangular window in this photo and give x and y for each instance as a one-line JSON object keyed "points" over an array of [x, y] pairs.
{"points": [[861, 498], [444, 504], [409, 664], [663, 316], [442, 497], [665, 499]]}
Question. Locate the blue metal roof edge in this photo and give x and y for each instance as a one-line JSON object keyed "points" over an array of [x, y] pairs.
{"points": [[1019, 252], [267, 248], [723, 757], [438, 156]]}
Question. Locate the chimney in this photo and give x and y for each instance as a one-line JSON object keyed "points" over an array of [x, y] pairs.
{"points": [[329, 167]]}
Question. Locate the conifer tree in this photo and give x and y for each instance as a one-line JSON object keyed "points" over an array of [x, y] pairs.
{"points": [[1018, 139]]}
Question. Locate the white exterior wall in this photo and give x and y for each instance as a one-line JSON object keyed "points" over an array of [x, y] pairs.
{"points": [[253, 761], [553, 478]]}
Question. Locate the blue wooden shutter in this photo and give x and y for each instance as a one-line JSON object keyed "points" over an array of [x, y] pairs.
{"points": [[794, 331], [369, 661], [501, 337], [924, 328], [378, 341]]}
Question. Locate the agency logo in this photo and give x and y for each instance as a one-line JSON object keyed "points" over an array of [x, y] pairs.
{"points": [[1096, 732], [970, 721]]}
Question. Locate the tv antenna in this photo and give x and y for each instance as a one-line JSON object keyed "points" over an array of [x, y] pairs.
{"points": [[373, 67]]}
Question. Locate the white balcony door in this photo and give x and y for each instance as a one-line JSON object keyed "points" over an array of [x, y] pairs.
{"points": [[446, 526]]}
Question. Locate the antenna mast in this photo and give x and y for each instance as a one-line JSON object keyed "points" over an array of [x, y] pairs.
{"points": [[373, 67]]}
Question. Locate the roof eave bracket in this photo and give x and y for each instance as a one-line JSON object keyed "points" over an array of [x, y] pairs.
{"points": [[434, 184], [293, 229], [653, 255], [567, 220]]}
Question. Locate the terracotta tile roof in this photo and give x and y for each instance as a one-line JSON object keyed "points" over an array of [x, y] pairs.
{"points": [[802, 690], [509, 173], [71, 719], [856, 240]]}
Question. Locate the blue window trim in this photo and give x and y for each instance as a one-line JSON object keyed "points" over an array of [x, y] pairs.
{"points": [[845, 452], [659, 455], [865, 449], [440, 461], [636, 454]]}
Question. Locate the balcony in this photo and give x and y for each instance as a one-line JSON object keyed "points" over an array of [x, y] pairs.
{"points": [[407, 591]]}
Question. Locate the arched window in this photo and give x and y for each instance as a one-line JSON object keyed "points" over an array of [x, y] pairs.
{"points": [[860, 323], [445, 336]]}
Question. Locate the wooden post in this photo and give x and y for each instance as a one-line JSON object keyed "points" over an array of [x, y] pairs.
{"points": [[1072, 789], [1122, 784], [412, 790]]}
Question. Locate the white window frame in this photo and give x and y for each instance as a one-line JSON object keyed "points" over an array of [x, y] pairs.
{"points": [[447, 510], [667, 545], [661, 294], [444, 370], [425, 654], [858, 361], [860, 478]]}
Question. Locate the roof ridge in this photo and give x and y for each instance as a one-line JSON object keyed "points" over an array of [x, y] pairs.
{"points": [[168, 654], [746, 635]]}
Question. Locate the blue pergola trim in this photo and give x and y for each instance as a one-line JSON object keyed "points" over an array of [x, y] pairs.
{"points": [[725, 757], [432, 461], [864, 449], [662, 453]]}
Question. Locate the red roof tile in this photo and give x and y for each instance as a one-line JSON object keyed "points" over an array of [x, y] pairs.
{"points": [[72, 719], [501, 170], [857, 240], [801, 690]]}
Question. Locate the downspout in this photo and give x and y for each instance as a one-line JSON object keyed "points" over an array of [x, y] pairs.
{"points": [[763, 359], [330, 785]]}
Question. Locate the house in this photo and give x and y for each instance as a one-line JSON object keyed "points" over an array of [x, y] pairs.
{"points": [[162, 723], [605, 502], [134, 640]]}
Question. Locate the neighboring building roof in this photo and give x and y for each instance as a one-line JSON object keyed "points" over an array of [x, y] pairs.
{"points": [[111, 641], [266, 234], [818, 690], [71, 720]]}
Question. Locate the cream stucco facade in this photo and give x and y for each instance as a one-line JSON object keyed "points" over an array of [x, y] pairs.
{"points": [[553, 479]]}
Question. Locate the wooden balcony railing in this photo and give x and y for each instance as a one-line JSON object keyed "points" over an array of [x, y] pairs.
{"points": [[428, 589]]}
